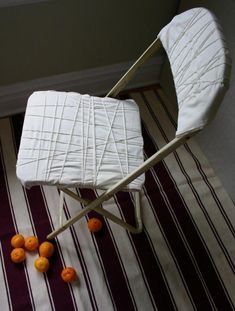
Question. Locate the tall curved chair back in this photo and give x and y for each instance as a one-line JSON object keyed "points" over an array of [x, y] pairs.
{"points": [[200, 65]]}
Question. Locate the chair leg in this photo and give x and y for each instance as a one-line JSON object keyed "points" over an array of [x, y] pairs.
{"points": [[153, 48], [61, 208], [138, 211], [61, 205], [138, 216], [95, 205]]}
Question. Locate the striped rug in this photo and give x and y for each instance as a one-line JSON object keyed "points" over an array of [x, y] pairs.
{"points": [[183, 260]]}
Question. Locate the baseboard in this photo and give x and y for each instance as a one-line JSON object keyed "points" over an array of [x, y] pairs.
{"points": [[7, 3], [97, 81]]}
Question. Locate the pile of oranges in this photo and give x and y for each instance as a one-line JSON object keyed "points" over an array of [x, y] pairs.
{"points": [[21, 244], [46, 250]]}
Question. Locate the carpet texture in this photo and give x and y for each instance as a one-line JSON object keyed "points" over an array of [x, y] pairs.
{"points": [[183, 260]]}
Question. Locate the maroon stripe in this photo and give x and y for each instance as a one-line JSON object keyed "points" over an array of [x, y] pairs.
{"points": [[114, 274], [200, 253], [151, 266], [60, 291], [15, 273], [17, 124], [168, 246]]}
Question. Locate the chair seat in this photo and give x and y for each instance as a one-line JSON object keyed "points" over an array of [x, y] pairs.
{"points": [[70, 139]]}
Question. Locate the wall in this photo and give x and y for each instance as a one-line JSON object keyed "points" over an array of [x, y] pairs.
{"points": [[61, 36], [217, 140]]}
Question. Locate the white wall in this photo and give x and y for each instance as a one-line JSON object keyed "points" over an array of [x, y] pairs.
{"points": [[218, 139], [71, 45], [61, 36]]}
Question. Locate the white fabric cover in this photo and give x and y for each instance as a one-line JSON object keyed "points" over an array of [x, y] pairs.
{"points": [[70, 139], [200, 66]]}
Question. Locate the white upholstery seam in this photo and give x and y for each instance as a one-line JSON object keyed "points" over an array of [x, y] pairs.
{"points": [[70, 138]]}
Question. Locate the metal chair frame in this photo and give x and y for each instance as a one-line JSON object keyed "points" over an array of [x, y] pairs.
{"points": [[106, 195]]}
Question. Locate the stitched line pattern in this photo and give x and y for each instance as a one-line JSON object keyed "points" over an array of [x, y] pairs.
{"points": [[70, 141], [200, 65]]}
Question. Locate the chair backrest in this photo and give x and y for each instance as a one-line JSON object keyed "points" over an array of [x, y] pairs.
{"points": [[200, 65]]}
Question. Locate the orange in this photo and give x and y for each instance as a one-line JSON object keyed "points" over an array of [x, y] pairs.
{"points": [[46, 249], [31, 243], [68, 275], [41, 264], [18, 255], [94, 224], [17, 240]]}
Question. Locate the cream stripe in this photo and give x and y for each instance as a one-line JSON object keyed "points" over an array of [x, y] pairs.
{"points": [[4, 287], [88, 251]]}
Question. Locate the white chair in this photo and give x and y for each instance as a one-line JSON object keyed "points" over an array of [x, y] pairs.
{"points": [[72, 140]]}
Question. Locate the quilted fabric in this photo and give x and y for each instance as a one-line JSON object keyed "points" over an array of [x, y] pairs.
{"points": [[71, 139], [200, 66]]}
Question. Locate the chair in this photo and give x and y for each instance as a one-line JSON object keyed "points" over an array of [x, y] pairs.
{"points": [[72, 140]]}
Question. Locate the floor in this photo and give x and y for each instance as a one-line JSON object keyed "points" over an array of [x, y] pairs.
{"points": [[183, 260]]}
